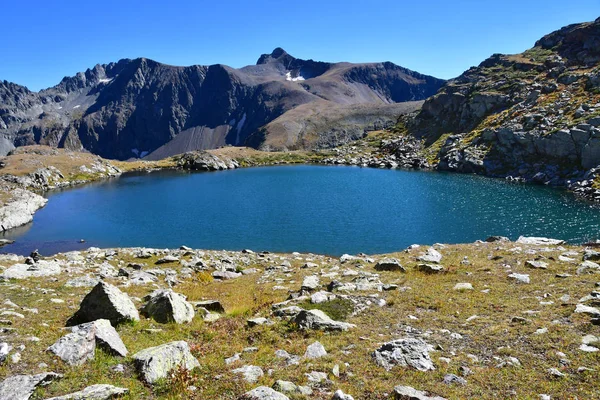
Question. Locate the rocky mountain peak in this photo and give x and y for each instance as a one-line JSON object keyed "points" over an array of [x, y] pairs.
{"points": [[278, 55]]}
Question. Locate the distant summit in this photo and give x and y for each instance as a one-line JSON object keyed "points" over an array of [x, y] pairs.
{"points": [[143, 108]]}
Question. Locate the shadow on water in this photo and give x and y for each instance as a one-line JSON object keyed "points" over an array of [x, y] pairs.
{"points": [[307, 208]]}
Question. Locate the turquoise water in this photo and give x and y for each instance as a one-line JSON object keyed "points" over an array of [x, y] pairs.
{"points": [[330, 210]]}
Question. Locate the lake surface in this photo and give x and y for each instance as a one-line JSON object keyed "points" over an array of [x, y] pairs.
{"points": [[319, 209]]}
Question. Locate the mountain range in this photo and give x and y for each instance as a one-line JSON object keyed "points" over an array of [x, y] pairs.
{"points": [[141, 108]]}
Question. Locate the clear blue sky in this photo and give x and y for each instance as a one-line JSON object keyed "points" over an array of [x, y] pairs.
{"points": [[44, 41]]}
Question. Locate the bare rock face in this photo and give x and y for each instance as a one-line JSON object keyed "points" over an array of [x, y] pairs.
{"points": [[105, 301], [94, 392], [39, 269], [409, 352], [155, 363], [20, 210], [21, 387], [166, 306]]}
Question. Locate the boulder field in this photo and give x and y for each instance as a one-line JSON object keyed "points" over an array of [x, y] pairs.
{"points": [[257, 325]]}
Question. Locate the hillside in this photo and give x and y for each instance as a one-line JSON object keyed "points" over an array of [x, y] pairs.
{"points": [[132, 108], [532, 116], [482, 320]]}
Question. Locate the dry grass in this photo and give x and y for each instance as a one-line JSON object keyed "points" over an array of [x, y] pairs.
{"points": [[431, 299]]}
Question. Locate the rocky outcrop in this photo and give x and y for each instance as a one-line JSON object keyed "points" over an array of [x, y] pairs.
{"points": [[19, 211], [533, 116]]}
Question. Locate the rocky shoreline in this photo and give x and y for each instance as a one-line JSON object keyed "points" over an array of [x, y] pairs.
{"points": [[156, 323]]}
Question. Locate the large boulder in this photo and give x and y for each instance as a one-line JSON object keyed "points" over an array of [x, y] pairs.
{"points": [[21, 387], [75, 348], [94, 392], [409, 352], [263, 393], [79, 346], [106, 336], [317, 319], [105, 301], [166, 306], [155, 363]]}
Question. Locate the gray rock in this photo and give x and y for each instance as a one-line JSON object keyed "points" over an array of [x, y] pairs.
{"points": [[211, 305], [339, 395], [409, 393], [263, 393], [258, 321], [106, 336], [389, 264], [409, 352], [155, 363], [206, 315], [105, 301], [430, 268], [94, 392], [310, 283], [520, 278], [251, 373], [583, 309], [431, 256], [315, 350], [536, 264], [166, 306], [20, 210], [39, 269], [225, 275], [492, 239], [76, 347], [4, 350], [450, 379], [588, 267], [317, 319], [21, 387], [167, 259], [540, 241], [82, 281], [463, 286], [290, 387]]}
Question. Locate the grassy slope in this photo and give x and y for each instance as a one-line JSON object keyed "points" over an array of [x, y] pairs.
{"points": [[431, 299]]}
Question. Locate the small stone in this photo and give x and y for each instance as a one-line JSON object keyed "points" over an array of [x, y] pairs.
{"points": [[263, 393], [520, 278], [339, 395], [315, 350], [251, 373], [95, 392], [450, 379], [463, 286]]}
